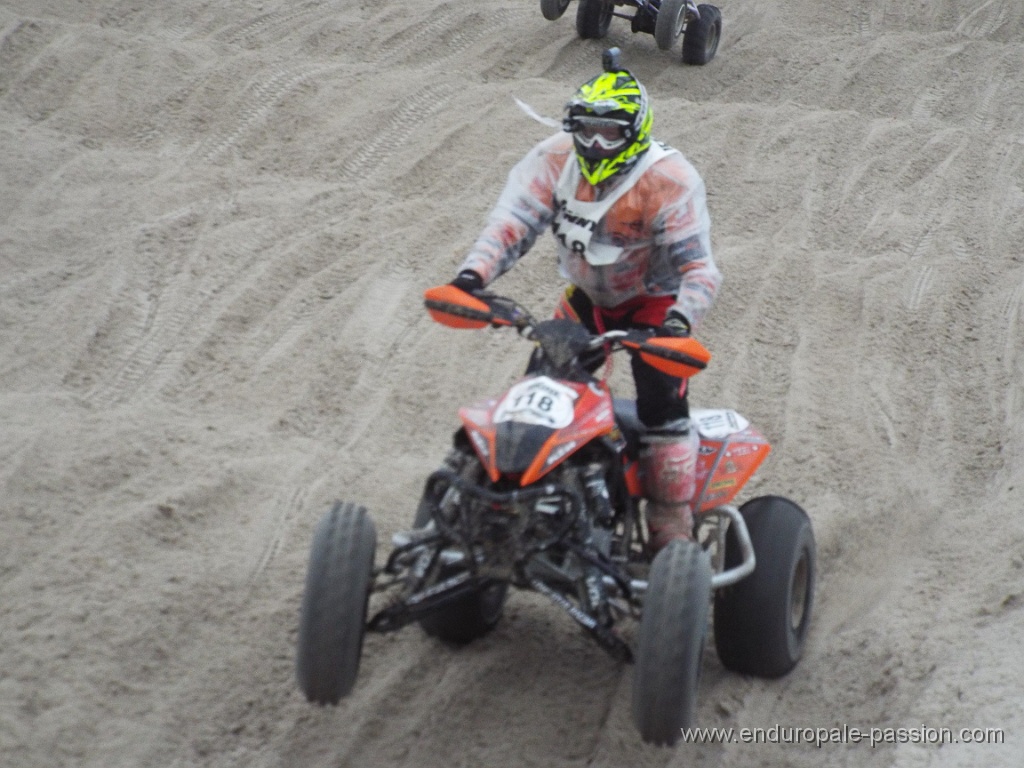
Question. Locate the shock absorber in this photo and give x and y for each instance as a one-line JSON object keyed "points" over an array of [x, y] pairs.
{"points": [[600, 519], [598, 498]]}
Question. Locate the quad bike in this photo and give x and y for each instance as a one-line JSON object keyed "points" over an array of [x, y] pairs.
{"points": [[541, 491], [700, 26]]}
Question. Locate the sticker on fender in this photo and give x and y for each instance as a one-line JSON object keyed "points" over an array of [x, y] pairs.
{"points": [[718, 423], [539, 400]]}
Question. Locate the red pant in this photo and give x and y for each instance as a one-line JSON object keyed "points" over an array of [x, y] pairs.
{"points": [[660, 398]]}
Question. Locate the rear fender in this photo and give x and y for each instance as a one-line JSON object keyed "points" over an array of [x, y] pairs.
{"points": [[730, 452]]}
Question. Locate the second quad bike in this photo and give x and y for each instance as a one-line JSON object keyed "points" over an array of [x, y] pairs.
{"points": [[700, 26], [541, 491]]}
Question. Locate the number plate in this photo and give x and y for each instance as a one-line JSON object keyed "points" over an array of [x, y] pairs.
{"points": [[539, 400], [717, 423]]}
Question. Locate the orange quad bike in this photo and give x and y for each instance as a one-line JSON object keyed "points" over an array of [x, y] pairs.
{"points": [[541, 491], [700, 26]]}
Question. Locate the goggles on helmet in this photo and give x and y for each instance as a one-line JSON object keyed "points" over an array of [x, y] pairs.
{"points": [[605, 132]]}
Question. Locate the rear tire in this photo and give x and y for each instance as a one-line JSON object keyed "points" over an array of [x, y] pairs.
{"points": [[761, 622], [468, 618], [593, 17], [332, 622], [669, 24], [474, 615], [700, 41], [553, 9], [670, 642]]}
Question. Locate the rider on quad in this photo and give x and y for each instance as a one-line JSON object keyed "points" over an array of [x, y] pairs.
{"points": [[633, 236]]}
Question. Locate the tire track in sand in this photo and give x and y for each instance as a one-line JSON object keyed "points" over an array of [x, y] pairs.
{"points": [[307, 300], [447, 33], [170, 307], [396, 129], [258, 100], [861, 18], [984, 20], [919, 287], [289, 507], [271, 26]]}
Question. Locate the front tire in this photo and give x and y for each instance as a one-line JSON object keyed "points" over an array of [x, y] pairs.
{"points": [[700, 41], [670, 642], [761, 622], [593, 18], [332, 622], [669, 24]]}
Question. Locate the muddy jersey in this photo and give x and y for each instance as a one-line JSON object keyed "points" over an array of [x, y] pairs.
{"points": [[646, 233]]}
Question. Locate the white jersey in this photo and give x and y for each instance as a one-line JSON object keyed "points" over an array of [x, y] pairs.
{"points": [[645, 233]]}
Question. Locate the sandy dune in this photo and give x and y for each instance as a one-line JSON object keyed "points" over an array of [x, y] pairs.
{"points": [[216, 223]]}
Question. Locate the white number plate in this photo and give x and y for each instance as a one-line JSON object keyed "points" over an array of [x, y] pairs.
{"points": [[539, 400], [718, 423]]}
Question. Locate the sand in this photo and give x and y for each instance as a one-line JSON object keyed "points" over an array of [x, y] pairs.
{"points": [[217, 220]]}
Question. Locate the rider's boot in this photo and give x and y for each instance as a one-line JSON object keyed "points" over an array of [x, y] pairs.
{"points": [[668, 464]]}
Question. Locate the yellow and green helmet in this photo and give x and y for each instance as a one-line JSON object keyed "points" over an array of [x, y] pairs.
{"points": [[610, 119]]}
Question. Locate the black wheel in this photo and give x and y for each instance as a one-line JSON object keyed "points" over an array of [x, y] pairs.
{"points": [[333, 618], [700, 41], [474, 615], [470, 617], [593, 17], [670, 642], [553, 9], [761, 622], [669, 24]]}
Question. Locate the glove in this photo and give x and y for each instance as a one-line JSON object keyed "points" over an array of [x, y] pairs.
{"points": [[468, 281], [675, 325]]}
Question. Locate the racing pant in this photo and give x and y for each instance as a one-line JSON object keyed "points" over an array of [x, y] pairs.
{"points": [[669, 447]]}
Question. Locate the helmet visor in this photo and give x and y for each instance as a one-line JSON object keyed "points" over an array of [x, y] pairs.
{"points": [[603, 133]]}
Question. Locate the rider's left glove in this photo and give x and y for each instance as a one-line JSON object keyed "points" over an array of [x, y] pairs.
{"points": [[468, 281], [675, 325]]}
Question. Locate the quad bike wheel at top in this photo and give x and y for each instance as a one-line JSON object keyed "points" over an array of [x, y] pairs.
{"points": [[669, 24], [700, 34], [671, 20], [553, 9], [700, 40], [593, 18]]}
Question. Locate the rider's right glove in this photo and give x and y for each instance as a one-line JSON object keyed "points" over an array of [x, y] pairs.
{"points": [[468, 281], [675, 325]]}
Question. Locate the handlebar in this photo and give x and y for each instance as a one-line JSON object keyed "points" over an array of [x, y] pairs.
{"points": [[451, 306]]}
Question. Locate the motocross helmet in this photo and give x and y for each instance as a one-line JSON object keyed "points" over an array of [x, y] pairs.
{"points": [[610, 119]]}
